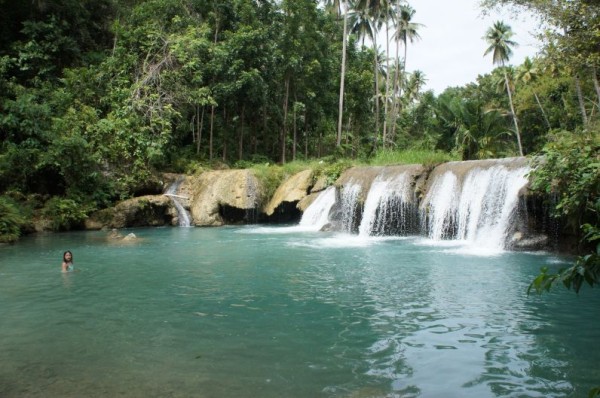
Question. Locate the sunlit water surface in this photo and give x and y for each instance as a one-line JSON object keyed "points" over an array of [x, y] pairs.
{"points": [[286, 312]]}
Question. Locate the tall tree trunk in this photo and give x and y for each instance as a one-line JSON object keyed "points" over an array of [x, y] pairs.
{"points": [[580, 99], [596, 84], [212, 111], [543, 111], [376, 73], [199, 131], [512, 110], [264, 131], [295, 130], [193, 125], [305, 136], [217, 22], [283, 134], [210, 137], [348, 127], [241, 141], [342, 78], [400, 88], [387, 84], [226, 122], [320, 144], [352, 140], [396, 93]]}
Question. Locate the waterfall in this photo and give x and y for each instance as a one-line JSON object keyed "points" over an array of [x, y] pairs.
{"points": [[377, 192], [471, 203], [182, 214], [441, 198], [317, 214], [480, 211], [389, 206], [350, 208]]}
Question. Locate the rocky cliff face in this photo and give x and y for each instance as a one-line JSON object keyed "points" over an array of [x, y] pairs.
{"points": [[475, 201], [392, 186], [365, 176], [143, 211], [283, 205], [236, 197], [224, 197]]}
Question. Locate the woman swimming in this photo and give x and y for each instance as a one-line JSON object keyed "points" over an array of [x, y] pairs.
{"points": [[67, 264]]}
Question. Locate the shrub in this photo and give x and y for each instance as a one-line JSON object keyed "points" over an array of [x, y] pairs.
{"points": [[64, 213], [570, 169], [411, 156], [270, 177], [10, 221], [332, 171]]}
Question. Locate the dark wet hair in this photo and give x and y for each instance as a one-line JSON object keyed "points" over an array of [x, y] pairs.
{"points": [[65, 253]]}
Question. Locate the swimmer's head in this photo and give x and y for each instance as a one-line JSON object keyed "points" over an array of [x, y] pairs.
{"points": [[68, 256]]}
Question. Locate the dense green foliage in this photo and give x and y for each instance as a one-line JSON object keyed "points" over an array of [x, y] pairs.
{"points": [[414, 156], [10, 221], [570, 170], [98, 96]]}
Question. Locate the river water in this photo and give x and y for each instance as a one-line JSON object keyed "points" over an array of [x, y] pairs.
{"points": [[285, 312]]}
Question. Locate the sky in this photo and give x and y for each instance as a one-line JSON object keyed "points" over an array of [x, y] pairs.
{"points": [[450, 51]]}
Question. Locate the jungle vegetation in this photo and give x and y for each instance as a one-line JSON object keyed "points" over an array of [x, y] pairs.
{"points": [[97, 96]]}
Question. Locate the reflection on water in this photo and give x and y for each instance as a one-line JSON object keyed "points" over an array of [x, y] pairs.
{"points": [[284, 312]]}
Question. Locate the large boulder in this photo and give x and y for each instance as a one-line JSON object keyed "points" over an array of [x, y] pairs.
{"points": [[364, 177], [152, 185], [320, 185], [308, 200], [361, 176], [143, 211], [224, 197], [462, 168], [528, 241], [292, 191]]}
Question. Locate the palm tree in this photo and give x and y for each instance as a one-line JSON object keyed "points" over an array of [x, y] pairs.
{"points": [[342, 75], [499, 40], [416, 81], [334, 6], [406, 31], [388, 15], [528, 73], [373, 8], [360, 22]]}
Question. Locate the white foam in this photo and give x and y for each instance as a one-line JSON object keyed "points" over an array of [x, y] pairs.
{"points": [[317, 214], [337, 241], [385, 196], [277, 230], [479, 212]]}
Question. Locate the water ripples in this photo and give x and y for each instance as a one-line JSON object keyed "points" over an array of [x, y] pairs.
{"points": [[288, 313]]}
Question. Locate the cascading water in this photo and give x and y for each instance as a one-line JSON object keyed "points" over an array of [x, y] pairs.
{"points": [[379, 189], [182, 214], [317, 214], [349, 202], [480, 210], [389, 206], [441, 200], [472, 203]]}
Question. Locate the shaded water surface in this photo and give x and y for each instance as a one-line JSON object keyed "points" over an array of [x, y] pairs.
{"points": [[281, 312]]}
